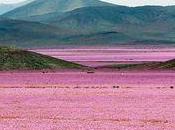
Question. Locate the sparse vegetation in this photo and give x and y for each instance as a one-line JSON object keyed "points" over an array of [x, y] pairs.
{"points": [[116, 86], [168, 65], [172, 87], [16, 59]]}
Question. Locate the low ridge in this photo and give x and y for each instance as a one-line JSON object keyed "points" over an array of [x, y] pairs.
{"points": [[167, 65], [16, 59]]}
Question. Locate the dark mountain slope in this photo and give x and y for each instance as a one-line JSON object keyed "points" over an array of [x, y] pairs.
{"points": [[32, 34], [29, 34], [144, 24], [111, 16]]}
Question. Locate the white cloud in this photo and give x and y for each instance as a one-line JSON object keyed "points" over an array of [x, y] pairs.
{"points": [[142, 2], [11, 1]]}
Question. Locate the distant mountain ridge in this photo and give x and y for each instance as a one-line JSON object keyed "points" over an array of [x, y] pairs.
{"points": [[86, 22], [43, 7]]}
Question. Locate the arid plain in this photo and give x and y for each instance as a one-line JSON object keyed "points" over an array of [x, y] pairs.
{"points": [[102, 100]]}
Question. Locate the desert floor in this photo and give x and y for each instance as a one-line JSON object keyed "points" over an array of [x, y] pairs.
{"points": [[99, 56], [81, 101], [74, 100]]}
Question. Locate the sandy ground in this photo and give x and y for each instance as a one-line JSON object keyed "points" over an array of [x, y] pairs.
{"points": [[81, 101]]}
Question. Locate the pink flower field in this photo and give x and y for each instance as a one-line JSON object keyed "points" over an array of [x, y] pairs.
{"points": [[104, 56], [103, 100], [77, 100]]}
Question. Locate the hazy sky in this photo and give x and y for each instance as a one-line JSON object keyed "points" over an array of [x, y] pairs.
{"points": [[121, 2]]}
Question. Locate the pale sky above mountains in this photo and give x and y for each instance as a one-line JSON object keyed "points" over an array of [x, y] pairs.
{"points": [[121, 2]]}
